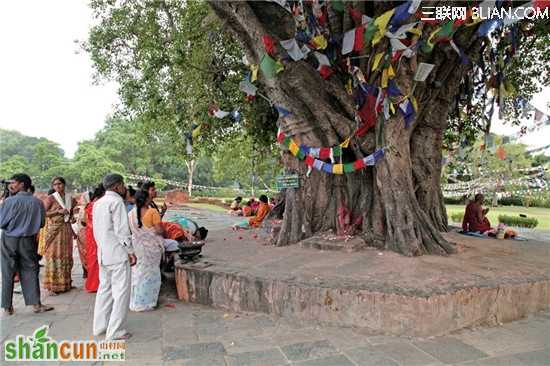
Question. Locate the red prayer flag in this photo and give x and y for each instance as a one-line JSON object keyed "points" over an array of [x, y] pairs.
{"points": [[325, 71], [541, 4], [281, 137], [324, 153], [269, 44], [358, 45], [355, 15], [309, 160], [358, 164]]}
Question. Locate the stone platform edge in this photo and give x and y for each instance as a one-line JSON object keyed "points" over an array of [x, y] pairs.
{"points": [[376, 311]]}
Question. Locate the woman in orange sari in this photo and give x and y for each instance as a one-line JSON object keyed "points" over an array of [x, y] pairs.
{"points": [[256, 221], [59, 239], [92, 281]]}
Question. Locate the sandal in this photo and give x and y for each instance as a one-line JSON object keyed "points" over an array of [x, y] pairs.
{"points": [[42, 308], [123, 337]]}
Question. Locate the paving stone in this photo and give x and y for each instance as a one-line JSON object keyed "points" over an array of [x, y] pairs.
{"points": [[207, 361], [507, 360], [500, 341], [196, 350], [450, 350], [308, 350], [337, 360], [140, 351], [248, 344], [369, 356], [178, 336], [534, 358], [406, 354], [344, 338], [270, 357]]}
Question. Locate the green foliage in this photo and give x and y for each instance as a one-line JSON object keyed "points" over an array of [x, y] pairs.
{"points": [[14, 164], [90, 165], [457, 216], [518, 221]]}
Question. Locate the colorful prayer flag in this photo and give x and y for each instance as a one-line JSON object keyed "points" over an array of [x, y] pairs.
{"points": [[268, 66]]}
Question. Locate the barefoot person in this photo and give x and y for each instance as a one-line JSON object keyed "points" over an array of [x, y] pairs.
{"points": [[21, 217], [115, 256], [59, 239], [475, 219]]}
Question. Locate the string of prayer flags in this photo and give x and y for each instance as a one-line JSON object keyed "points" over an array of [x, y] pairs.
{"points": [[215, 111], [400, 16], [292, 48], [313, 157]]}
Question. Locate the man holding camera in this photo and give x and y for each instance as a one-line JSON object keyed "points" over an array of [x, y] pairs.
{"points": [[21, 217]]}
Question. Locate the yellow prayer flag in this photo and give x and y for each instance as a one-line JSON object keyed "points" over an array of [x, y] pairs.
{"points": [[382, 23], [413, 101], [279, 66], [293, 148], [349, 87], [391, 73], [384, 81], [431, 37], [320, 42], [392, 108], [416, 31], [338, 169], [377, 59], [345, 144], [196, 132], [254, 69]]}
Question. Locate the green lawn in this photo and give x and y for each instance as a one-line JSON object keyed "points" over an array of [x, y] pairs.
{"points": [[206, 206], [541, 214]]}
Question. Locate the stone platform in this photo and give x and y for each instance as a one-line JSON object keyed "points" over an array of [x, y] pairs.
{"points": [[488, 282]]}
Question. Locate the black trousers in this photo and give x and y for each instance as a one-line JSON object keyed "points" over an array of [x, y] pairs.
{"points": [[19, 254]]}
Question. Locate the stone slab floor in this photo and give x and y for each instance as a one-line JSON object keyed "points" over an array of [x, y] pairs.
{"points": [[193, 335]]}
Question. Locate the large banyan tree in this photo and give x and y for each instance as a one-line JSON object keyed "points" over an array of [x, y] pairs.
{"points": [[361, 133], [346, 70]]}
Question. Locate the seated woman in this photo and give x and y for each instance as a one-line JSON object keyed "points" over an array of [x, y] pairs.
{"points": [[149, 249], [256, 221], [235, 208], [247, 209], [475, 219]]}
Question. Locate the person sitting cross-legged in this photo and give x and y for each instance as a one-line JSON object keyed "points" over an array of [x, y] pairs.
{"points": [[256, 220], [475, 219]]}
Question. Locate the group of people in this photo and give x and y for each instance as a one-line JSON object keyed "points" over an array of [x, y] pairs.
{"points": [[475, 220], [121, 240], [256, 210]]}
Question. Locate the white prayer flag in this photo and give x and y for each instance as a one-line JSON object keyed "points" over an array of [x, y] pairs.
{"points": [[322, 58], [348, 42], [396, 45], [423, 71], [294, 51], [221, 114], [414, 6], [247, 87]]}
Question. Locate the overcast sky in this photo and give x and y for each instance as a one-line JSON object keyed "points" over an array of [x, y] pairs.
{"points": [[46, 87]]}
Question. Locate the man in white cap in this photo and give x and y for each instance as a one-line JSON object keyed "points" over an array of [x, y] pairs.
{"points": [[115, 256]]}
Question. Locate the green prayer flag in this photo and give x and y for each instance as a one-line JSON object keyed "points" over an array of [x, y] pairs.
{"points": [[369, 33], [287, 141], [349, 168], [446, 30], [337, 151], [268, 66], [337, 5], [301, 155]]}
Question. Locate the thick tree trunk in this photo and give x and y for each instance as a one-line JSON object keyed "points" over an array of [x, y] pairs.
{"points": [[400, 198]]}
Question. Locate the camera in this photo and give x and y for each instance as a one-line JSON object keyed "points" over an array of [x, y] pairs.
{"points": [[5, 193]]}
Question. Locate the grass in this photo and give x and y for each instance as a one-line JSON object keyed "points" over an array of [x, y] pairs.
{"points": [[541, 214], [206, 206]]}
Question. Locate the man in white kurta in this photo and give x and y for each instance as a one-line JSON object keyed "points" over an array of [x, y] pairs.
{"points": [[115, 255]]}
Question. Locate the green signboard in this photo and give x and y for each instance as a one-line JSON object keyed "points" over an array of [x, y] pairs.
{"points": [[288, 181]]}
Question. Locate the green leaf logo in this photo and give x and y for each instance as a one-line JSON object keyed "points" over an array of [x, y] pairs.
{"points": [[40, 335]]}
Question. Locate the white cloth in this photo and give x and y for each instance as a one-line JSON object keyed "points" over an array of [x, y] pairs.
{"points": [[292, 48], [67, 204], [171, 245], [111, 229], [112, 300], [348, 42], [221, 114]]}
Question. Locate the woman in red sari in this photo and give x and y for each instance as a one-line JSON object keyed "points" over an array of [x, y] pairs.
{"points": [[92, 281]]}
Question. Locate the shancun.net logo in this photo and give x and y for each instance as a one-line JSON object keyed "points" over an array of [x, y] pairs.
{"points": [[40, 347]]}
